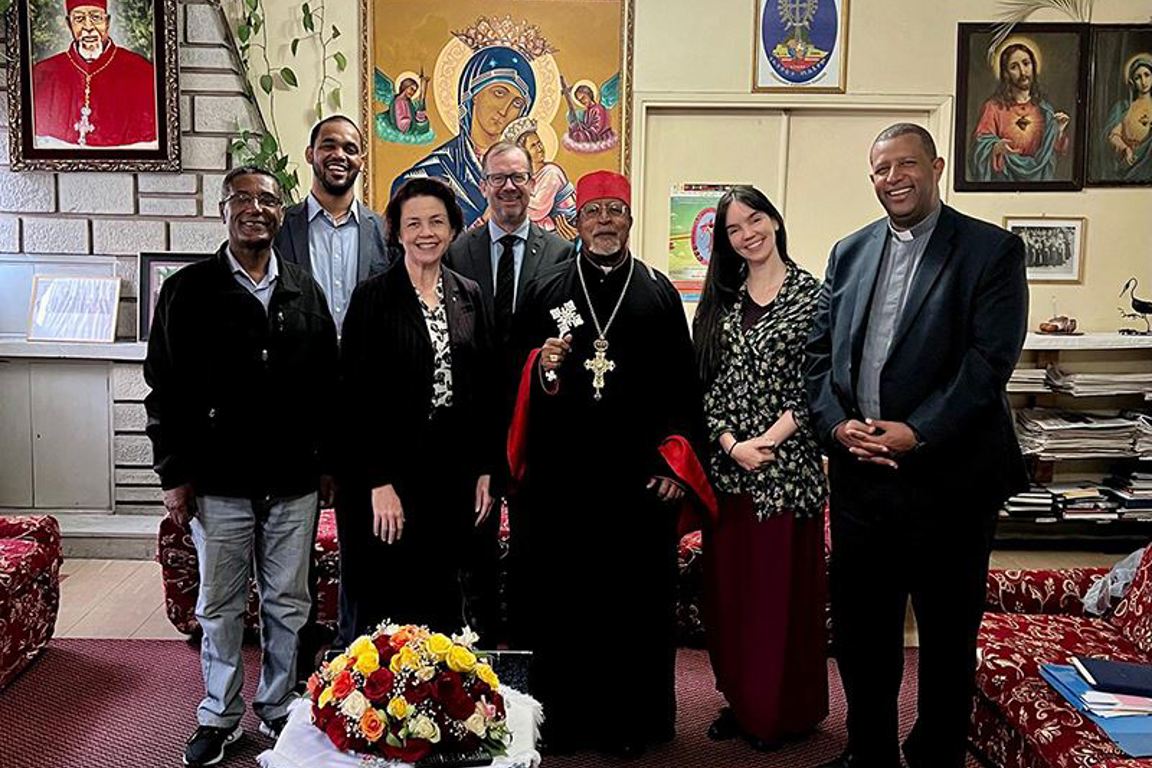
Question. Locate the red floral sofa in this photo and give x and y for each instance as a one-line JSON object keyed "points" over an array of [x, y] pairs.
{"points": [[180, 569], [1037, 617], [29, 589]]}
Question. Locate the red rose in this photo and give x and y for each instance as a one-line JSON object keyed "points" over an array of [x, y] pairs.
{"points": [[447, 686], [459, 706], [379, 685], [498, 702], [418, 693], [342, 685], [479, 688], [413, 750], [336, 733], [382, 643], [321, 717]]}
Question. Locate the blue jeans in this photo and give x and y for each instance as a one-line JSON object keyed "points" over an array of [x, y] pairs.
{"points": [[230, 534]]}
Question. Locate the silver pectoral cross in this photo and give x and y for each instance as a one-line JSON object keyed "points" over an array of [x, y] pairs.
{"points": [[83, 126], [599, 365]]}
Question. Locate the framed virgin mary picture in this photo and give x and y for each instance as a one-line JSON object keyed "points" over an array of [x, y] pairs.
{"points": [[1120, 106], [443, 82], [93, 85]]}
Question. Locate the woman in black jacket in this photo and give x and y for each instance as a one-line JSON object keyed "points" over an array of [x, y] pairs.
{"points": [[421, 437]]}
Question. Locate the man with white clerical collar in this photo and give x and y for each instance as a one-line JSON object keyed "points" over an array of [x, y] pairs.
{"points": [[94, 93], [601, 441]]}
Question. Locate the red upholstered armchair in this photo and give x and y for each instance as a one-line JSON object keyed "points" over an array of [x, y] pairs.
{"points": [[180, 569], [29, 589], [1037, 617]]}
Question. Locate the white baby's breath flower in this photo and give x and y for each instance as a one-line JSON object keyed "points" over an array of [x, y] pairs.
{"points": [[354, 705]]}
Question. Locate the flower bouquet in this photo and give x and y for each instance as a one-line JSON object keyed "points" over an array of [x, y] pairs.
{"points": [[405, 693]]}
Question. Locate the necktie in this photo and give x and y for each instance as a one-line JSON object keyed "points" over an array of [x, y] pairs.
{"points": [[505, 284]]}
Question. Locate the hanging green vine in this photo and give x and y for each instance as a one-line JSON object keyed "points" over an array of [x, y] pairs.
{"points": [[251, 48]]}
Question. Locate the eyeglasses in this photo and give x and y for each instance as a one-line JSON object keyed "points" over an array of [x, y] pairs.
{"points": [[615, 210], [245, 199], [94, 17], [498, 179]]}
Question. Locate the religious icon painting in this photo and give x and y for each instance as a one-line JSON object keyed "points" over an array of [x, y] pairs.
{"points": [[1020, 105], [442, 82], [800, 45], [1119, 145], [93, 85]]}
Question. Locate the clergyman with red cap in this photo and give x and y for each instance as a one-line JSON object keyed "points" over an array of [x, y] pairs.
{"points": [[95, 93], [601, 451]]}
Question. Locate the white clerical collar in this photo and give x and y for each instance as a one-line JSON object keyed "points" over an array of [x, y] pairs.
{"points": [[917, 230]]}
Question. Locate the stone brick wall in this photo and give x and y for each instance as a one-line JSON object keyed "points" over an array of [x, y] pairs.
{"points": [[122, 214]]}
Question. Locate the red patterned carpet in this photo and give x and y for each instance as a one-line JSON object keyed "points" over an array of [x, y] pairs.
{"points": [[131, 704]]}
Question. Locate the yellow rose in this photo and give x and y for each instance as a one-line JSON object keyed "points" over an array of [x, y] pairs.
{"points": [[409, 657], [438, 645], [485, 673], [460, 659], [338, 664], [360, 646], [398, 707], [368, 661], [325, 697]]}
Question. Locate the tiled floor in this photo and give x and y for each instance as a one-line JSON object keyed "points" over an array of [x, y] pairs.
{"points": [[125, 599]]}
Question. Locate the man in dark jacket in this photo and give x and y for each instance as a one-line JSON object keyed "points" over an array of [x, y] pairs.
{"points": [[241, 362]]}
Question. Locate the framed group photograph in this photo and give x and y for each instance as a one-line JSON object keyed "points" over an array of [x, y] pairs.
{"points": [[1053, 247], [1120, 106], [154, 269], [443, 82], [93, 85], [1020, 112], [800, 45], [69, 308]]}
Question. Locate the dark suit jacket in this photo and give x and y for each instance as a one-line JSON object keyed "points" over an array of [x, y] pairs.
{"points": [[386, 367], [471, 256], [955, 347], [292, 241]]}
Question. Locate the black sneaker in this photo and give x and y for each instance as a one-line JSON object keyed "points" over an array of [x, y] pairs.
{"points": [[207, 744], [273, 728]]}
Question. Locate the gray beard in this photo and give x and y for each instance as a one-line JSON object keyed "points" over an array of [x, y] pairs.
{"points": [[90, 54]]}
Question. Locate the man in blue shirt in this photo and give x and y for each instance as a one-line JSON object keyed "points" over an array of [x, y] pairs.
{"points": [[335, 238]]}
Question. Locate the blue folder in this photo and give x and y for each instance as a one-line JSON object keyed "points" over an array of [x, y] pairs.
{"points": [[1132, 733]]}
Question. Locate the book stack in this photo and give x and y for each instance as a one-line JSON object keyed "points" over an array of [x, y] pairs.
{"points": [[1090, 384], [1143, 443], [1054, 434], [1027, 380], [1085, 502], [1134, 493], [1037, 503]]}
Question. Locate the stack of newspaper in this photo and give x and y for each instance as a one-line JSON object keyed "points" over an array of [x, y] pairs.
{"points": [[1143, 444], [1037, 503], [1086, 384], [1053, 434], [1027, 380]]}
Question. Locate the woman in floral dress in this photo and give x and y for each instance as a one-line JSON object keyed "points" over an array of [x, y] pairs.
{"points": [[763, 558]]}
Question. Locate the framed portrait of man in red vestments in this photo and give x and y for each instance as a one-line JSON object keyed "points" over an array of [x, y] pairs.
{"points": [[93, 85]]}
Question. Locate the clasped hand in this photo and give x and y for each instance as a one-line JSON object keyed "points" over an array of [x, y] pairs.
{"points": [[754, 453], [876, 441]]}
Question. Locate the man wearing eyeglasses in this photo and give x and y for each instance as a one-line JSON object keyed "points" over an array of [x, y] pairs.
{"points": [[235, 340], [502, 256], [605, 419], [95, 93]]}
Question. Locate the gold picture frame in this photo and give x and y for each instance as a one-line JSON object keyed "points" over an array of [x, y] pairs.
{"points": [[555, 76]]}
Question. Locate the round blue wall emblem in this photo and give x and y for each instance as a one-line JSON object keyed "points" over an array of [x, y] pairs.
{"points": [[799, 37]]}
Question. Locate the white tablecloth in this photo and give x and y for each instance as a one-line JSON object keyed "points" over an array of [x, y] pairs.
{"points": [[302, 745]]}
